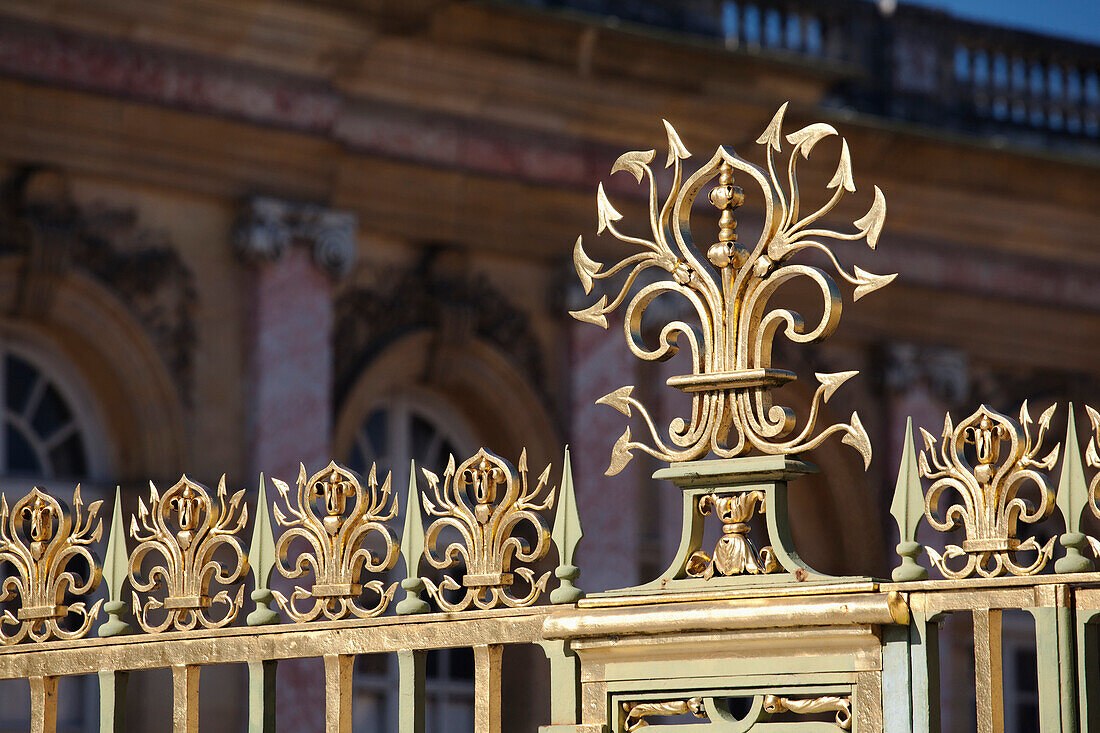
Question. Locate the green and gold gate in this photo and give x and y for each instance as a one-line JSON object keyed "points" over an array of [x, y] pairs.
{"points": [[738, 634]]}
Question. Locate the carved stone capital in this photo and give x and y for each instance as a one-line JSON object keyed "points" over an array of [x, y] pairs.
{"points": [[267, 226]]}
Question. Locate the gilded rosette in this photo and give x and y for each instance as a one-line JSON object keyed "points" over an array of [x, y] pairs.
{"points": [[331, 517], [181, 531], [40, 539], [986, 461], [731, 298], [485, 502]]}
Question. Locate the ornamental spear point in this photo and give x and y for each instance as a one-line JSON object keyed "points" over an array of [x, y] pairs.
{"points": [[907, 508], [115, 569], [1071, 498], [261, 558], [567, 533], [412, 550]]}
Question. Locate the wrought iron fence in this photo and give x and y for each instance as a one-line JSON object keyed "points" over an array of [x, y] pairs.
{"points": [[740, 632]]}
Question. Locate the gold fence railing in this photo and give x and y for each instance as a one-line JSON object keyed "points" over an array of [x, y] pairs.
{"points": [[186, 565], [739, 631]]}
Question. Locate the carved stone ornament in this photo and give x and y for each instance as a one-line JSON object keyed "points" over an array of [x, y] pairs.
{"points": [[267, 227]]}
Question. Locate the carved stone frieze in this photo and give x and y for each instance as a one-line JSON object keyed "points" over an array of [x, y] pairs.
{"points": [[40, 220]]}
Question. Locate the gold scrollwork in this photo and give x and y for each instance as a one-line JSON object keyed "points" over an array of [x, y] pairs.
{"points": [[1092, 458], [637, 712], [486, 503], [188, 564], [731, 351], [735, 554], [989, 505], [40, 539], [774, 704], [336, 537]]}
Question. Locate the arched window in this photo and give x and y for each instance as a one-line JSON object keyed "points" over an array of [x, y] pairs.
{"points": [[403, 427], [42, 434], [49, 438]]}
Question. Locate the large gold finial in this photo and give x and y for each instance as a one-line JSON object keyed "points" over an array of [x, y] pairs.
{"points": [[731, 348]]}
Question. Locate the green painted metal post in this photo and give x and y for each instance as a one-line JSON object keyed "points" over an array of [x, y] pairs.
{"points": [[410, 700], [924, 655], [112, 701], [897, 680], [564, 683], [1088, 670], [1054, 648], [261, 696]]}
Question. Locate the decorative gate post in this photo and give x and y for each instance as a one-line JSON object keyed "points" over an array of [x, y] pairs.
{"points": [[717, 625]]}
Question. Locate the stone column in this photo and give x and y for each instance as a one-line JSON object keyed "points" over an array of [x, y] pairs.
{"points": [[296, 253]]}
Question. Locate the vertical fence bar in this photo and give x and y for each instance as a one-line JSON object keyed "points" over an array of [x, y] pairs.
{"points": [[185, 698], [112, 700], [261, 696], [1088, 670], [487, 688], [338, 673], [43, 704], [988, 684], [925, 657], [410, 698], [1056, 657]]}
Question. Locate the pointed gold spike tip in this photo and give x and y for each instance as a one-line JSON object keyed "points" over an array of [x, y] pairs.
{"points": [[907, 506], [1073, 491]]}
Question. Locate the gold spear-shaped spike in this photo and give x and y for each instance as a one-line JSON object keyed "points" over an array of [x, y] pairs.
{"points": [[412, 550], [115, 569], [261, 558], [567, 533], [1071, 498], [907, 508]]}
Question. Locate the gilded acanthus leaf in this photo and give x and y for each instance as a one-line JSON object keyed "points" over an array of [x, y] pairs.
{"points": [[870, 224], [586, 266], [843, 175], [619, 399], [606, 212], [634, 163]]}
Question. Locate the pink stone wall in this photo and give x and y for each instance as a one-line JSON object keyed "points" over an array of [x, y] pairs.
{"points": [[608, 506]]}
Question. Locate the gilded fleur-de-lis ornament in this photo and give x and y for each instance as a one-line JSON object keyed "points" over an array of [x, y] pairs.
{"points": [[186, 534], [990, 462], [40, 539], [485, 502], [729, 291], [327, 525]]}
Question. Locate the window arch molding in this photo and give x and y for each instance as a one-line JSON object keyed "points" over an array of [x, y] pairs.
{"points": [[112, 365], [468, 384]]}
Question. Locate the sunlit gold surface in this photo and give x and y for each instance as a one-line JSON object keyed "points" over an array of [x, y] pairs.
{"points": [[182, 530], [637, 712], [1004, 463], [485, 502], [735, 553], [737, 321], [806, 706], [331, 542], [39, 540]]}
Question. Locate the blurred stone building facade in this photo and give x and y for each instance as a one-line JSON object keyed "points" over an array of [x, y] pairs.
{"points": [[239, 235]]}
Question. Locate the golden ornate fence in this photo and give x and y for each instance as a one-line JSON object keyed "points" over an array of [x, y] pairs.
{"points": [[741, 633]]}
